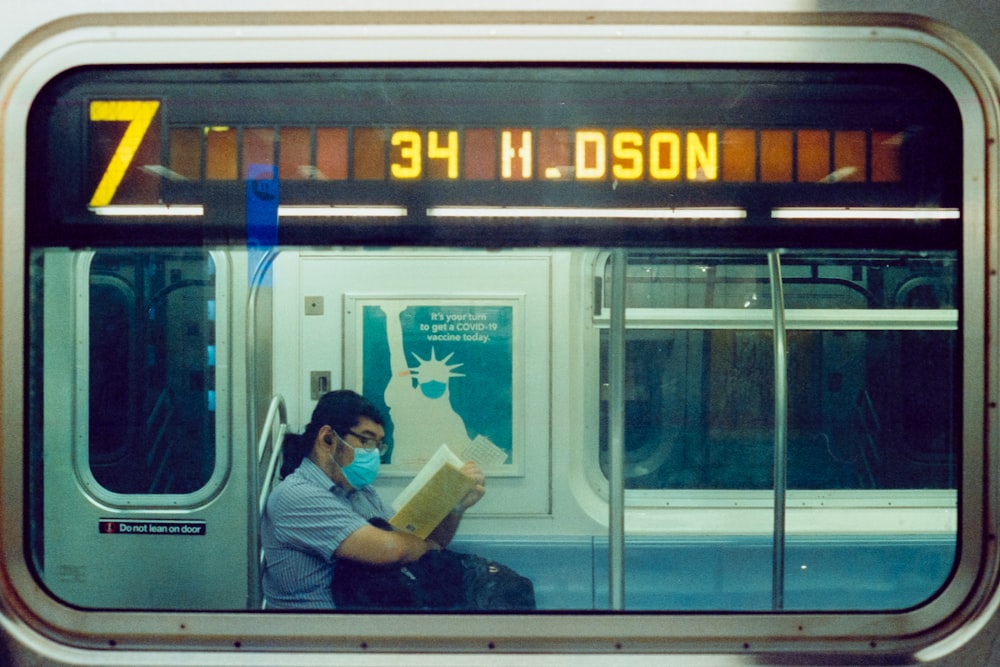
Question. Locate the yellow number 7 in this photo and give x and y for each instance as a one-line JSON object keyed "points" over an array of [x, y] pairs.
{"points": [[139, 114]]}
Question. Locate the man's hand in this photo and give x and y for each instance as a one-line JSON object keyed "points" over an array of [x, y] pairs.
{"points": [[478, 490], [446, 529]]}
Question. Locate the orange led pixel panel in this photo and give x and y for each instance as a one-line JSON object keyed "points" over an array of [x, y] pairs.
{"points": [[480, 155], [776, 156], [444, 150], [220, 154], [850, 163], [258, 148], [739, 156], [331, 153], [812, 154], [555, 161], [517, 159], [885, 157], [369, 154], [185, 152], [665, 159], [701, 155], [295, 153], [628, 160]]}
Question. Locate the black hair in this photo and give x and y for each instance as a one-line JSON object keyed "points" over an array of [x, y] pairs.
{"points": [[341, 410]]}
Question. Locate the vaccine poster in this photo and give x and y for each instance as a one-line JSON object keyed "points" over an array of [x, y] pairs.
{"points": [[441, 372]]}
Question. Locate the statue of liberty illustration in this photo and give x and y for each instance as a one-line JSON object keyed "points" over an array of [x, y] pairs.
{"points": [[422, 415]]}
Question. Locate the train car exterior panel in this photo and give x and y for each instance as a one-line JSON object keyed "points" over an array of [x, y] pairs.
{"points": [[719, 287]]}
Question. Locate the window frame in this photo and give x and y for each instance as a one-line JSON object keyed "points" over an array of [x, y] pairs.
{"points": [[91, 42], [222, 440]]}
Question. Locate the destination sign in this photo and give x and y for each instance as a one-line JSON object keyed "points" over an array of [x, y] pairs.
{"points": [[133, 148]]}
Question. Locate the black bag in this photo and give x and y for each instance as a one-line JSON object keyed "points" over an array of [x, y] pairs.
{"points": [[441, 580]]}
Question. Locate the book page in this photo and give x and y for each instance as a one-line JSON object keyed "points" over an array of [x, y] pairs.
{"points": [[485, 454], [442, 456], [432, 503]]}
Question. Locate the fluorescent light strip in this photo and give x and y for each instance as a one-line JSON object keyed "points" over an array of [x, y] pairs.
{"points": [[195, 210], [150, 211], [866, 213], [590, 213], [342, 211]]}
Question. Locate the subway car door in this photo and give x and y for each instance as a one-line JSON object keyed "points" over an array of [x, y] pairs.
{"points": [[144, 480]]}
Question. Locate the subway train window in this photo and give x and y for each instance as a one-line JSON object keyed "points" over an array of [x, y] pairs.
{"points": [[730, 295], [151, 394], [862, 331]]}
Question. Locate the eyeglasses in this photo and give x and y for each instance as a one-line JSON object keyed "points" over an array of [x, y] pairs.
{"points": [[370, 444]]}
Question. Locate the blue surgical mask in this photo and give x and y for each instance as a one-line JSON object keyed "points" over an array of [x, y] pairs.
{"points": [[363, 469], [433, 389]]}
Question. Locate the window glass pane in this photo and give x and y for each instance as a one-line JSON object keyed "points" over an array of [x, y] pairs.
{"points": [[876, 280], [871, 457], [710, 281], [872, 410], [152, 428], [700, 403], [699, 409]]}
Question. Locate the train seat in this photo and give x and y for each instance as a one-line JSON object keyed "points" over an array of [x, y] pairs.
{"points": [[733, 572]]}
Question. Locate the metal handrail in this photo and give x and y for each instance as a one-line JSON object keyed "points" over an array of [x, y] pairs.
{"points": [[256, 280], [616, 434], [780, 431], [276, 434]]}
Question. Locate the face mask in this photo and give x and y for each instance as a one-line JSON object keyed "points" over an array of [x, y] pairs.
{"points": [[433, 389], [363, 469]]}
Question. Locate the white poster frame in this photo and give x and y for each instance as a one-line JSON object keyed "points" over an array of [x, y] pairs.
{"points": [[465, 320]]}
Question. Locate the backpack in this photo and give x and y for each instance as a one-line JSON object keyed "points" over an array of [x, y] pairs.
{"points": [[441, 580]]}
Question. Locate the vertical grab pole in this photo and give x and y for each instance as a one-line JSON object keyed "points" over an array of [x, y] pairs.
{"points": [[780, 431], [616, 433], [256, 277]]}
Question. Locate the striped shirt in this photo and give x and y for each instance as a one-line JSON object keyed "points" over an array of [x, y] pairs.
{"points": [[306, 518]]}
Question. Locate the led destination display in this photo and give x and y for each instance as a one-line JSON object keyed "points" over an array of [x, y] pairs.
{"points": [[130, 152]]}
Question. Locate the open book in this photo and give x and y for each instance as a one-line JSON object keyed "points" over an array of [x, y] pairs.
{"points": [[434, 492], [439, 486]]}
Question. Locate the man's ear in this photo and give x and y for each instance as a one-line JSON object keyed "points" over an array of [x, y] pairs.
{"points": [[326, 434], [331, 440]]}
